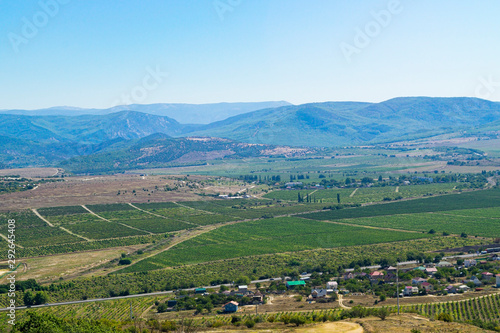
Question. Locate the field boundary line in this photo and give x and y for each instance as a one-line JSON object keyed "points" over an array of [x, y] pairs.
{"points": [[353, 192], [475, 217], [123, 224], [164, 217], [77, 235], [8, 240], [41, 217], [201, 210], [369, 226]]}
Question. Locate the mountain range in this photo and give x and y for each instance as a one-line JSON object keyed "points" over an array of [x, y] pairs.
{"points": [[183, 113], [37, 139]]}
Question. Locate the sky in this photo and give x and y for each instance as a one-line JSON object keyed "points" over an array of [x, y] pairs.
{"points": [[98, 54]]}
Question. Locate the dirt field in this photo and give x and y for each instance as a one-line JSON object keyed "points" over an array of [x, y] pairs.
{"points": [[112, 189], [368, 300], [95, 190], [31, 172], [406, 322], [341, 327]]}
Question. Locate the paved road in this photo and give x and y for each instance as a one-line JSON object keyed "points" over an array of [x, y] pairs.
{"points": [[131, 296]]}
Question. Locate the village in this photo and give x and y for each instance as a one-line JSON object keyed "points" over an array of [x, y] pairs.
{"points": [[359, 286]]}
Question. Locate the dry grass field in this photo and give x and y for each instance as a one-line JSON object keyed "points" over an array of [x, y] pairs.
{"points": [[95, 190], [31, 172], [50, 268]]}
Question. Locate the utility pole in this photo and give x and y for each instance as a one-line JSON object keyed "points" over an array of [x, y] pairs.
{"points": [[397, 283]]}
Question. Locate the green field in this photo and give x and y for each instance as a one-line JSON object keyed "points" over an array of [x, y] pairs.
{"points": [[468, 200], [268, 236], [32, 231], [176, 212], [144, 221], [473, 226], [363, 194]]}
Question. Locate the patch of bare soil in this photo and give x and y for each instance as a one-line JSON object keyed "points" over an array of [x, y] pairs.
{"points": [[97, 190], [31, 172], [405, 323]]}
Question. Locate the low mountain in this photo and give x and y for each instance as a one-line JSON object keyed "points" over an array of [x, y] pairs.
{"points": [[160, 150], [87, 129], [351, 123], [183, 113]]}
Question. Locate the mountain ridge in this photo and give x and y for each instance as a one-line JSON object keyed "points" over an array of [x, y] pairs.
{"points": [[52, 139]]}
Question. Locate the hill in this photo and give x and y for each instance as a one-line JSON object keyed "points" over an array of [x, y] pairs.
{"points": [[183, 113], [351, 123], [159, 150]]}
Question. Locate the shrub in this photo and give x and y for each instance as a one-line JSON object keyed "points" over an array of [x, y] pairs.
{"points": [[382, 313], [124, 262], [445, 317], [249, 323]]}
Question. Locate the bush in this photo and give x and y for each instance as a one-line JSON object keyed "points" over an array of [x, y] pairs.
{"points": [[382, 313], [445, 317], [298, 320], [124, 262], [249, 323]]}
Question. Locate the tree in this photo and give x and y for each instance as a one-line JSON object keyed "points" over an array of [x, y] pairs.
{"points": [[338, 197], [382, 313], [366, 180], [40, 298], [28, 298]]}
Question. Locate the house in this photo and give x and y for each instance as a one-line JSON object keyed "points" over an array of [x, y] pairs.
{"points": [[476, 281], [258, 297], [420, 268], [463, 288], [332, 285], [487, 276], [200, 290], [444, 264], [451, 289], [376, 275], [498, 280], [409, 290], [470, 263], [243, 289], [418, 280], [431, 270], [231, 306], [348, 276], [318, 293], [426, 286], [291, 284], [391, 269]]}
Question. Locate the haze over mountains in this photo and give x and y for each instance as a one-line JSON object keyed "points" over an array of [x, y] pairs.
{"points": [[183, 113], [50, 139]]}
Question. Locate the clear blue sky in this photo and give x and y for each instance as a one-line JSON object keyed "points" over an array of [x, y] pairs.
{"points": [[90, 53]]}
